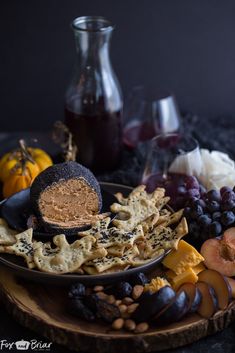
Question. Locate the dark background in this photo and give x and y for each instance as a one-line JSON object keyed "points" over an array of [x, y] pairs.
{"points": [[185, 46]]}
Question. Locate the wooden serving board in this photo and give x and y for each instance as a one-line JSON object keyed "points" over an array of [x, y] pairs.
{"points": [[43, 309]]}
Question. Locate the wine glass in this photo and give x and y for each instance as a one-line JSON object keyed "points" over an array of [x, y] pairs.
{"points": [[173, 161], [146, 117]]}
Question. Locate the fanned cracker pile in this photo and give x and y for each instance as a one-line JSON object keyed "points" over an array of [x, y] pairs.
{"points": [[142, 230]]}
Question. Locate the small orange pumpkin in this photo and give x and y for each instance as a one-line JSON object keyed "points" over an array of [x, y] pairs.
{"points": [[19, 172]]}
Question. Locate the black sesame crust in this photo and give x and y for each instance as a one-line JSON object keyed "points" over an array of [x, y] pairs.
{"points": [[54, 174]]}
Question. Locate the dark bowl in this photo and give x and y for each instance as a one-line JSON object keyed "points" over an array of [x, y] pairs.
{"points": [[17, 264]]}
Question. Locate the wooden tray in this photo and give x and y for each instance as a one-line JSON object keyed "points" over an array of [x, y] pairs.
{"points": [[43, 309]]}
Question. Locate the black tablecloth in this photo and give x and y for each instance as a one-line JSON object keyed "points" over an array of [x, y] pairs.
{"points": [[217, 134]]}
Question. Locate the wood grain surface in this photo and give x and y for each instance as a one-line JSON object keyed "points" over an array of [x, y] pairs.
{"points": [[43, 309]]}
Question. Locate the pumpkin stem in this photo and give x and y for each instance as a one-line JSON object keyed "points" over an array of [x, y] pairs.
{"points": [[63, 136]]}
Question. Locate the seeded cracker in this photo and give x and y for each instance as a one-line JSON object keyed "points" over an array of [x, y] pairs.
{"points": [[99, 226], [138, 206], [164, 238], [7, 235], [107, 262], [68, 257], [23, 246]]}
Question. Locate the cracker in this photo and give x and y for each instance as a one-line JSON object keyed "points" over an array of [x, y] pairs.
{"points": [[164, 238], [113, 237], [23, 246], [99, 226], [67, 257], [107, 262], [7, 235], [139, 206], [116, 250], [118, 237], [172, 218]]}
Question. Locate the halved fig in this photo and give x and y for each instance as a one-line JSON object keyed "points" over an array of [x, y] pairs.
{"points": [[152, 303], [194, 295], [216, 258], [231, 281], [220, 284], [174, 311], [209, 302]]}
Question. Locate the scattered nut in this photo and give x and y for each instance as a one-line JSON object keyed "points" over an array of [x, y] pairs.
{"points": [[118, 324], [131, 308], [137, 291], [122, 308], [130, 325], [142, 327], [98, 289], [127, 301], [118, 302], [110, 299], [102, 295], [125, 315]]}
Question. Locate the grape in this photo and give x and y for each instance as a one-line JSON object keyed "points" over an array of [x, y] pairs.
{"points": [[181, 190], [194, 229], [202, 189], [228, 205], [204, 220], [192, 183], [213, 195], [228, 196], [227, 218], [214, 229], [225, 189], [216, 216], [187, 212], [193, 193], [196, 211], [213, 206], [202, 203]]}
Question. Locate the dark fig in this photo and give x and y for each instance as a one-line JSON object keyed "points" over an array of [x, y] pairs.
{"points": [[107, 312], [77, 308], [123, 289], [77, 290], [139, 278]]}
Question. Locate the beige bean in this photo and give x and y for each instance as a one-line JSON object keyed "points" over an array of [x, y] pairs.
{"points": [[130, 325], [137, 291], [111, 299], [118, 324], [142, 327], [98, 289], [131, 308], [127, 301]]}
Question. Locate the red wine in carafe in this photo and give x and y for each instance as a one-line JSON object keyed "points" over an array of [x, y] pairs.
{"points": [[98, 138]]}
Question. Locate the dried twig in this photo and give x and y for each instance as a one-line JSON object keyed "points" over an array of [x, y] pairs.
{"points": [[63, 136]]}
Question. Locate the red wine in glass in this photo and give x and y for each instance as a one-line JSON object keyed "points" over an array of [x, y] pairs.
{"points": [[138, 131]]}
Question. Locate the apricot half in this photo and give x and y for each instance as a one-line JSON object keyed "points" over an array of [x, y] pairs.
{"points": [[215, 257]]}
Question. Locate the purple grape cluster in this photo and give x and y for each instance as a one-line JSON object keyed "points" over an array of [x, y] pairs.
{"points": [[181, 188], [211, 214]]}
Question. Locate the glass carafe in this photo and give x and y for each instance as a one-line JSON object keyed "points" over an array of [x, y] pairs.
{"points": [[93, 107]]}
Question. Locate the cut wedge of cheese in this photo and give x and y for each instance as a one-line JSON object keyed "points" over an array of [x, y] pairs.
{"points": [[189, 276], [182, 259]]}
